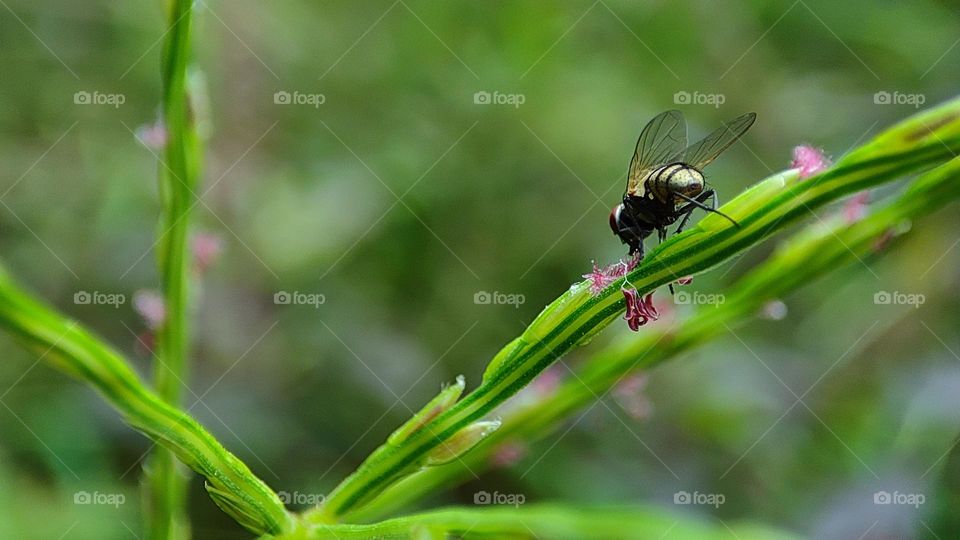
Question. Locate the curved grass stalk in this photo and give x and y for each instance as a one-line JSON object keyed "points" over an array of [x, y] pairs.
{"points": [[68, 347], [543, 521], [819, 249], [924, 140]]}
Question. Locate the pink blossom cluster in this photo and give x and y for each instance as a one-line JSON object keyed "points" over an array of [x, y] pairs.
{"points": [[809, 160], [601, 278]]}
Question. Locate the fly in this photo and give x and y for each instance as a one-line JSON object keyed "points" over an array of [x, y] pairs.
{"points": [[665, 182]]}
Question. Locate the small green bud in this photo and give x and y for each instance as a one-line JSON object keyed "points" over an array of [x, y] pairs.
{"points": [[443, 401], [461, 443]]}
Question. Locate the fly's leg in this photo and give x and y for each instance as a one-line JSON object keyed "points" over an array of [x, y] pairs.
{"points": [[698, 203], [662, 235], [636, 248], [687, 209]]}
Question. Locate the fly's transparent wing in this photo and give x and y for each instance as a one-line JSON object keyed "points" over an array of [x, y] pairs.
{"points": [[661, 140], [700, 154]]}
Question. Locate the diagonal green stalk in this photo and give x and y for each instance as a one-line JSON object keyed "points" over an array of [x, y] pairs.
{"points": [[543, 521], [924, 140], [70, 348], [166, 483], [819, 249]]}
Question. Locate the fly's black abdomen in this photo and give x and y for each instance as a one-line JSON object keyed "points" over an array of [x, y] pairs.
{"points": [[665, 182]]}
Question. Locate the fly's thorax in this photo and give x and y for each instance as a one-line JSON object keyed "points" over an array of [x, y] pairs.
{"points": [[677, 178]]}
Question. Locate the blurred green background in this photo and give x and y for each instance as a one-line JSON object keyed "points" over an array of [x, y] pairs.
{"points": [[492, 197]]}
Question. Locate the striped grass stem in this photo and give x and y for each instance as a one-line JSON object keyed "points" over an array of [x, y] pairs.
{"points": [[922, 141]]}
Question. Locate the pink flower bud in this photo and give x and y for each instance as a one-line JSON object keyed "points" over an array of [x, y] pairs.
{"points": [[153, 136], [856, 207], [809, 160], [206, 248], [548, 381], [629, 395], [508, 454], [149, 305]]}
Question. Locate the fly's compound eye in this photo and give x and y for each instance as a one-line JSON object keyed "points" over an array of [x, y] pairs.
{"points": [[615, 218]]}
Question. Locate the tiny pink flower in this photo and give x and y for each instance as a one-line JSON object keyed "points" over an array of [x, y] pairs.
{"points": [[685, 280], [598, 279], [639, 311], [622, 267], [601, 278], [508, 454], [547, 382], [809, 160], [629, 395], [149, 305], [206, 248], [153, 136], [856, 207]]}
